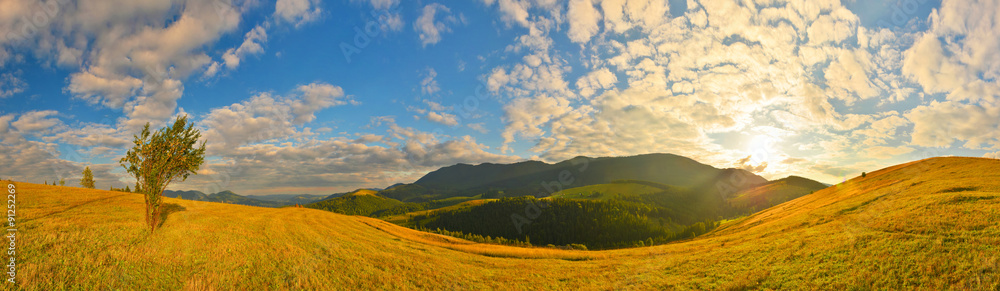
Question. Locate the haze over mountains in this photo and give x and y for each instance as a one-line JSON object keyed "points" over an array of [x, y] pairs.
{"points": [[275, 200]]}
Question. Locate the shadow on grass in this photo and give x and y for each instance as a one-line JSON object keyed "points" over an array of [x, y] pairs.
{"points": [[168, 208]]}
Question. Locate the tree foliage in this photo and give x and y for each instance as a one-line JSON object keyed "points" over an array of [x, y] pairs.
{"points": [[161, 157], [88, 179]]}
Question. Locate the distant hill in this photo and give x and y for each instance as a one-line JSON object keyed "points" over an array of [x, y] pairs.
{"points": [[186, 195], [289, 199], [539, 179], [223, 197]]}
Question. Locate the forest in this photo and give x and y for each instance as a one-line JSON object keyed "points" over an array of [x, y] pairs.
{"points": [[595, 224]]}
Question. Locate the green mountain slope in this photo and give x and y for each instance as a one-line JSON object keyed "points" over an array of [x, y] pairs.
{"points": [[539, 179], [359, 202]]}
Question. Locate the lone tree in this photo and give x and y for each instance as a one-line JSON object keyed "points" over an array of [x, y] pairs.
{"points": [[863, 174], [159, 158], [88, 178]]}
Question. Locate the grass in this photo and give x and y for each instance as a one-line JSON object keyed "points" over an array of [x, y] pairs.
{"points": [[903, 232]]}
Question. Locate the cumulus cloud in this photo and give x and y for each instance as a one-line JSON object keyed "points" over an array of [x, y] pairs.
{"points": [[253, 44], [36, 121], [942, 123], [583, 20], [429, 85], [430, 30], [10, 85], [267, 117], [305, 163], [959, 54], [297, 12]]}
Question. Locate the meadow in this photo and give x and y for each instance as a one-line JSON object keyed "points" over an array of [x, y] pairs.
{"points": [[929, 225]]}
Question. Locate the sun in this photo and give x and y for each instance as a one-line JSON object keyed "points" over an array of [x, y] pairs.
{"points": [[762, 149]]}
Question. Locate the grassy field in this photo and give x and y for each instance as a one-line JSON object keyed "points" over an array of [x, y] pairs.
{"points": [[928, 225]]}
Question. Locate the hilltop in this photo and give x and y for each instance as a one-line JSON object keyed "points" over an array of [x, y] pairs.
{"points": [[929, 224]]}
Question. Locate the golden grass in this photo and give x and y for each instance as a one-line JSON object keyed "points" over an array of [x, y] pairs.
{"points": [[926, 225], [362, 192]]}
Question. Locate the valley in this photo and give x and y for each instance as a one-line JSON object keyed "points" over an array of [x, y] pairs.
{"points": [[928, 224]]}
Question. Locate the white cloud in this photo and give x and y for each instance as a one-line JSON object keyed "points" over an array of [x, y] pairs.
{"points": [[266, 117], [36, 121], [429, 85], [442, 118], [942, 123], [253, 44], [308, 164], [596, 80], [10, 85], [297, 12], [315, 97], [959, 55], [583, 20], [480, 127], [430, 30], [380, 4]]}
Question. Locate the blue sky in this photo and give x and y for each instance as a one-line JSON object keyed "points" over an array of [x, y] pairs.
{"points": [[312, 96]]}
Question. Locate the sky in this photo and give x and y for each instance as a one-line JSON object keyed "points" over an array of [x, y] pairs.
{"points": [[322, 96]]}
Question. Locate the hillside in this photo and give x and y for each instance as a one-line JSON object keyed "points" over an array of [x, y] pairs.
{"points": [[540, 179], [359, 202], [772, 193], [927, 225]]}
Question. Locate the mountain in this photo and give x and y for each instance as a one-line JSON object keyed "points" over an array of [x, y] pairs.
{"points": [[290, 199], [929, 224], [186, 195], [223, 197], [233, 198], [539, 179]]}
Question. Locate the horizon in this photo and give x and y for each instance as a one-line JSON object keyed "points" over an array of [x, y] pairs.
{"points": [[312, 96]]}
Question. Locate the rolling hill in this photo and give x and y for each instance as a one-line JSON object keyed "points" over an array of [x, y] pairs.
{"points": [[773, 193], [359, 202], [929, 224]]}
